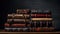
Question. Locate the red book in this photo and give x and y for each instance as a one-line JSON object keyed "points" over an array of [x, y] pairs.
{"points": [[38, 29], [18, 25], [41, 15], [6, 25]]}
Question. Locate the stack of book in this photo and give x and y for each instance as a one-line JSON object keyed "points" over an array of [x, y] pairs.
{"points": [[42, 20], [25, 20], [18, 21]]}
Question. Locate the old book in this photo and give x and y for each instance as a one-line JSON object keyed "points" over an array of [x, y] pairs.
{"points": [[17, 29], [24, 11], [45, 29], [38, 11], [49, 24], [44, 24], [6, 25], [18, 20], [18, 25], [34, 29], [17, 16], [50, 29], [38, 29], [36, 23], [41, 19], [41, 16]]}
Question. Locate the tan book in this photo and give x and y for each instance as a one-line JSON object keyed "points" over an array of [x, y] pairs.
{"points": [[18, 25], [18, 20], [18, 15], [41, 18]]}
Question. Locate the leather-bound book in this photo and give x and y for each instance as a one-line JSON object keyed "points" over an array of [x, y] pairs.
{"points": [[18, 16], [22, 11], [50, 24], [21, 16], [18, 25], [36, 19], [38, 29], [45, 29], [41, 16], [44, 24], [38, 11], [18, 20], [6, 25]]}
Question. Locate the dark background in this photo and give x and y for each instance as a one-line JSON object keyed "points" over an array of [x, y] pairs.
{"points": [[9, 6]]}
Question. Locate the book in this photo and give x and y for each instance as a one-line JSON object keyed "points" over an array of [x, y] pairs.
{"points": [[38, 29], [18, 25], [6, 25], [18, 20], [36, 11], [36, 23], [24, 11], [18, 16], [41, 18], [50, 24], [44, 24], [17, 29]]}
